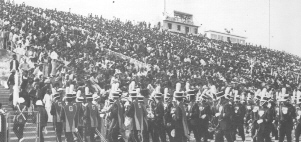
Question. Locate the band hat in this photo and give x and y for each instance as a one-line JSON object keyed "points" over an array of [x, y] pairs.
{"points": [[80, 99], [158, 95], [70, 96], [191, 92], [133, 94], [115, 94], [283, 97], [39, 103], [179, 94]]}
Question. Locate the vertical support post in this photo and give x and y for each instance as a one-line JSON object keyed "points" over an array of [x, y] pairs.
{"points": [[16, 89]]}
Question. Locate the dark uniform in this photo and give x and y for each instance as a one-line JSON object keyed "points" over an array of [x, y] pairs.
{"points": [[298, 127], [138, 131], [68, 115], [169, 122], [254, 117], [224, 121], [204, 122], [261, 128], [117, 121], [286, 123], [91, 117], [159, 123], [80, 118], [151, 120], [238, 121], [181, 128], [193, 119], [55, 111]]}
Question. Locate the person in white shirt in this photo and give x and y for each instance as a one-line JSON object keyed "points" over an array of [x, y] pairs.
{"points": [[48, 101], [54, 58]]}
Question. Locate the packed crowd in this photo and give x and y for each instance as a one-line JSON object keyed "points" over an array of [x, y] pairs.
{"points": [[55, 49]]}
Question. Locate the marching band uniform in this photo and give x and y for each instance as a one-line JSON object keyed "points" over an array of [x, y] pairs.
{"points": [[270, 117], [224, 119], [179, 115], [169, 122], [298, 127], [193, 115], [205, 114], [80, 117], [68, 116], [159, 120], [261, 131], [91, 117], [117, 118], [286, 123], [55, 111], [254, 116], [138, 114], [238, 118]]}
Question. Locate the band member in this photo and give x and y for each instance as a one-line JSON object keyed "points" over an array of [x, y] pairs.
{"points": [[80, 117], [55, 111], [298, 127], [68, 116], [20, 119], [169, 122], [270, 115], [205, 114], [179, 115], [91, 117], [159, 119], [224, 118], [238, 117], [286, 123], [116, 128], [138, 114], [261, 133], [193, 114]]}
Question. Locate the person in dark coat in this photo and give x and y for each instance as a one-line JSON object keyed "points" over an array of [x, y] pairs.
{"points": [[193, 115], [224, 121], [205, 115], [179, 115], [169, 122], [91, 118], [238, 119], [159, 132], [116, 128], [43, 119], [286, 122]]}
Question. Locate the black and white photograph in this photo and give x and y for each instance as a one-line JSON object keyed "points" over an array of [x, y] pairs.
{"points": [[150, 70]]}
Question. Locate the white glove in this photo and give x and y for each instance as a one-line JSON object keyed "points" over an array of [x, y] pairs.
{"points": [[259, 121], [217, 114], [298, 117], [168, 124], [76, 130], [203, 116]]}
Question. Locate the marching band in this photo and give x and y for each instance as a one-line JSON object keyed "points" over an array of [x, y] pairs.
{"points": [[160, 115]]}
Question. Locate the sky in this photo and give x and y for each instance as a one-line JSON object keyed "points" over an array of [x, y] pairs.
{"points": [[249, 18]]}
